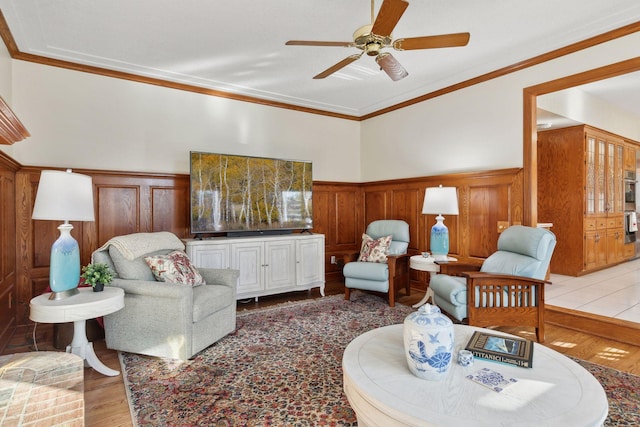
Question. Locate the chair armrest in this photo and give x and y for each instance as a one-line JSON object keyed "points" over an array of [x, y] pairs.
{"points": [[457, 268], [482, 276], [220, 276], [156, 289], [397, 263]]}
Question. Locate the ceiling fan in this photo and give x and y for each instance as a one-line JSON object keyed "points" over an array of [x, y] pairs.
{"points": [[374, 37]]}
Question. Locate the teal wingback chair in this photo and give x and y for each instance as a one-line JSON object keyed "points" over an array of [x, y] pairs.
{"points": [[509, 288], [382, 277]]}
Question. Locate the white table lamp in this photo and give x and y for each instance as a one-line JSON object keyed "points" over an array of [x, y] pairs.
{"points": [[64, 196], [440, 200]]}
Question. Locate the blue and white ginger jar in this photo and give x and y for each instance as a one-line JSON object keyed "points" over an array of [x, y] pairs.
{"points": [[428, 342]]}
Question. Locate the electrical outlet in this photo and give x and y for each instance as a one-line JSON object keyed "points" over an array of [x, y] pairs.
{"points": [[333, 259]]}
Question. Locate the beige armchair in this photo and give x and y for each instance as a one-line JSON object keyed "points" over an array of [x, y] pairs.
{"points": [[166, 319]]}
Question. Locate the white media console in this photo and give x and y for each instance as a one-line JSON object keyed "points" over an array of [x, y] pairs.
{"points": [[268, 265]]}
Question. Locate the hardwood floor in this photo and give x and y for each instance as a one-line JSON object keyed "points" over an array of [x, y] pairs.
{"points": [[106, 402]]}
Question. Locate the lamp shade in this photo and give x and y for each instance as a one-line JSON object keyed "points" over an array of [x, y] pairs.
{"points": [[440, 200], [64, 196]]}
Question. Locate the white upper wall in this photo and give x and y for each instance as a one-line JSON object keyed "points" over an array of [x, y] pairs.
{"points": [[477, 128], [81, 120], [582, 107]]}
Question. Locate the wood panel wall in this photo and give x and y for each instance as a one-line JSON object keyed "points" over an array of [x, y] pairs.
{"points": [[8, 170], [135, 202]]}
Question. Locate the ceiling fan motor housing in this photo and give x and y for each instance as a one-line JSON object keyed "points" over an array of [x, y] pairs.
{"points": [[370, 43]]}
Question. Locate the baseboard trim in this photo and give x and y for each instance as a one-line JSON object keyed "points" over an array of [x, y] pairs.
{"points": [[602, 326]]}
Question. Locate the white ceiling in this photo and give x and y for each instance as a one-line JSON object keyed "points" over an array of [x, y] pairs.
{"points": [[239, 46]]}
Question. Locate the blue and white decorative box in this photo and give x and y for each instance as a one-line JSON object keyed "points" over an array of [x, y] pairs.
{"points": [[428, 342]]}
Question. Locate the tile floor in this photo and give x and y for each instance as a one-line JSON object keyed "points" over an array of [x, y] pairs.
{"points": [[614, 292]]}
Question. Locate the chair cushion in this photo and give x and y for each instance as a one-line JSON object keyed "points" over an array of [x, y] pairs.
{"points": [[398, 248], [366, 271], [529, 241], [397, 229], [511, 263], [450, 288], [136, 269], [210, 299], [174, 267], [374, 250]]}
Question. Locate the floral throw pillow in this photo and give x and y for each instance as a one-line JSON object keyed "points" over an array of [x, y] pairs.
{"points": [[175, 268], [374, 250]]}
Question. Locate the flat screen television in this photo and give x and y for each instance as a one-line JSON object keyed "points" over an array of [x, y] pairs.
{"points": [[240, 195]]}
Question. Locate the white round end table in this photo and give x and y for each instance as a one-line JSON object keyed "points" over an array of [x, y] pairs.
{"points": [[77, 309], [428, 264]]}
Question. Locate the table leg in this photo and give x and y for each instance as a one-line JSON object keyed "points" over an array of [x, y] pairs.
{"points": [[428, 294], [81, 346]]}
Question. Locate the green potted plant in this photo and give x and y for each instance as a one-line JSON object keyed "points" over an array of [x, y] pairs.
{"points": [[97, 275]]}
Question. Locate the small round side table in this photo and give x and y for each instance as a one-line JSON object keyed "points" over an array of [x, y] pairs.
{"points": [[77, 309], [428, 264]]}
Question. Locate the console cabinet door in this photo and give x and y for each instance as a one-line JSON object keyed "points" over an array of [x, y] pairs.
{"points": [[248, 258], [209, 256], [310, 261], [279, 268]]}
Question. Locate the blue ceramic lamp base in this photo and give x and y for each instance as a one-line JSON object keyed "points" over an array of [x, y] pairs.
{"points": [[64, 274], [439, 243]]}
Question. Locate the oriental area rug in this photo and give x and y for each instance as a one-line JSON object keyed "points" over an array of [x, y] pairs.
{"points": [[282, 367]]}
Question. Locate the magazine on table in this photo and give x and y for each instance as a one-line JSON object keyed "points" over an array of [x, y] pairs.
{"points": [[499, 348]]}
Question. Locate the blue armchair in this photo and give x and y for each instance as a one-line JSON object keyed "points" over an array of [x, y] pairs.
{"points": [[380, 276], [509, 288]]}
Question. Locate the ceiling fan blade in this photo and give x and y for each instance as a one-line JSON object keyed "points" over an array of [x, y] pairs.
{"points": [[348, 60], [388, 16], [317, 43], [431, 42], [391, 66]]}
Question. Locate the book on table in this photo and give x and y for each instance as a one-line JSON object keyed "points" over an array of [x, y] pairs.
{"points": [[499, 348]]}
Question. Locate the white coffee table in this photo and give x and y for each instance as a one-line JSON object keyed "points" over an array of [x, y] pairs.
{"points": [[77, 309], [383, 392], [428, 264]]}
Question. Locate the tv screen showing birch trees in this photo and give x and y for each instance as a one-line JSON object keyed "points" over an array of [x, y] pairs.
{"points": [[239, 193]]}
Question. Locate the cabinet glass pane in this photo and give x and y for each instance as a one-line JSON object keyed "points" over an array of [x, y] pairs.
{"points": [[619, 207], [591, 175], [611, 152], [600, 193]]}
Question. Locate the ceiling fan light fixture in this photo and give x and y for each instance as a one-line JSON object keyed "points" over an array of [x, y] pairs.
{"points": [[391, 66], [373, 49]]}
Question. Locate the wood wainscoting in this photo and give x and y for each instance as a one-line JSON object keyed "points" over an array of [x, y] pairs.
{"points": [[342, 211], [139, 202], [8, 170]]}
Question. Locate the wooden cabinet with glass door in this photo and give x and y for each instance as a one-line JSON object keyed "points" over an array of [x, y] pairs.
{"points": [[581, 191]]}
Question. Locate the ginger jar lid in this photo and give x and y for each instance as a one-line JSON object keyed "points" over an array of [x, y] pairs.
{"points": [[430, 316]]}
